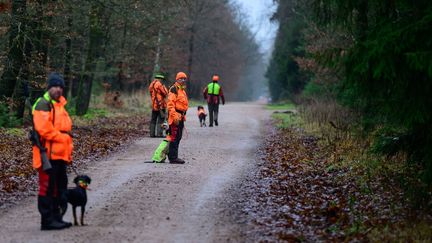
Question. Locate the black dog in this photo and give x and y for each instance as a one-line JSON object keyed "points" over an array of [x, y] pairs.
{"points": [[77, 196]]}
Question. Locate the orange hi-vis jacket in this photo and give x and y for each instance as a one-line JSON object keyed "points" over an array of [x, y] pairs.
{"points": [[177, 104], [158, 93], [54, 125]]}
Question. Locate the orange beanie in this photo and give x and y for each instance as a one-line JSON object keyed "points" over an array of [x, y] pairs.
{"points": [[215, 78]]}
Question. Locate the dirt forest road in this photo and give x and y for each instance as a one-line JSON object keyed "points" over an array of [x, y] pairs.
{"points": [[133, 201]]}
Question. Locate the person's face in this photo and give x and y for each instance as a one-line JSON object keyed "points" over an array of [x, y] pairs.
{"points": [[181, 81], [55, 92]]}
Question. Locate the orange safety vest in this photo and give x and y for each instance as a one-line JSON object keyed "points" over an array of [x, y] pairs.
{"points": [[53, 124], [177, 103], [158, 93]]}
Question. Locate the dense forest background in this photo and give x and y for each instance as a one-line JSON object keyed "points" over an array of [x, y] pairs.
{"points": [[120, 45], [364, 68], [350, 83]]}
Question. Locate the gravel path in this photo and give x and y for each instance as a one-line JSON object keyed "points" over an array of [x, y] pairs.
{"points": [[133, 201]]}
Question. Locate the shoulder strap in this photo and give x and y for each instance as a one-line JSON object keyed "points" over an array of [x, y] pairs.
{"points": [[173, 89], [42, 104]]}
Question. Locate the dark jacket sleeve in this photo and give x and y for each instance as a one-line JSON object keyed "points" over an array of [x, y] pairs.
{"points": [[205, 93], [222, 96]]}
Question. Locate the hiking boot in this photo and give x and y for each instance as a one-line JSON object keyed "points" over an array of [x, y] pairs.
{"points": [[60, 220], [54, 225], [67, 224], [177, 161]]}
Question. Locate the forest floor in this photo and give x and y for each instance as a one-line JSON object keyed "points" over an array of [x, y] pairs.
{"points": [[243, 181]]}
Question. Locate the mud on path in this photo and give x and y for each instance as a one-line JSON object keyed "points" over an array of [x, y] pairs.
{"points": [[133, 201]]}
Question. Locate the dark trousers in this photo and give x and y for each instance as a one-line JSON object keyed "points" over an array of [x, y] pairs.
{"points": [[52, 188], [176, 133], [213, 112], [157, 118]]}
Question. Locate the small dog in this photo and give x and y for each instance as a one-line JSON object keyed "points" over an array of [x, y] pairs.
{"points": [[201, 115], [77, 196]]}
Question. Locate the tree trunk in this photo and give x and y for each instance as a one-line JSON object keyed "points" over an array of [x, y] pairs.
{"points": [[156, 67], [191, 86], [68, 60], [120, 73], [75, 82], [84, 93], [95, 46], [22, 87], [42, 36], [362, 19], [15, 54]]}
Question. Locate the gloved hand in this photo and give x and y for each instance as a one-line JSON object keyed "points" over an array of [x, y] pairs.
{"points": [[177, 119]]}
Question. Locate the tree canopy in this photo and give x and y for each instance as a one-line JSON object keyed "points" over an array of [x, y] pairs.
{"points": [[122, 43], [371, 56]]}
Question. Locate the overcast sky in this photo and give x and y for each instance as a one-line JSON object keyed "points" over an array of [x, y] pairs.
{"points": [[259, 13]]}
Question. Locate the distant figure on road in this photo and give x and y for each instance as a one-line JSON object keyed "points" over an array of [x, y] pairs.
{"points": [[158, 93], [212, 93]]}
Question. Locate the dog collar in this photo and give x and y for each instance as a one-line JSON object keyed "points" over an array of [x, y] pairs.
{"points": [[83, 184]]}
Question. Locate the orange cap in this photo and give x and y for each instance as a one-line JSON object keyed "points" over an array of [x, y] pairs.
{"points": [[215, 78], [180, 75]]}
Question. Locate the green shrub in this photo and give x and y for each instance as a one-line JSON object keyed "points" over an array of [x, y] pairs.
{"points": [[6, 118]]}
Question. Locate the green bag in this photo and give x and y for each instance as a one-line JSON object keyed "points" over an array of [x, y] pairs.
{"points": [[161, 152]]}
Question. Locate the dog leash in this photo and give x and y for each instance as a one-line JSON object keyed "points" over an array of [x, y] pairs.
{"points": [[186, 132], [73, 168]]}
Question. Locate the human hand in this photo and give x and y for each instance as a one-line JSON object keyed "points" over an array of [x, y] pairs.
{"points": [[177, 119]]}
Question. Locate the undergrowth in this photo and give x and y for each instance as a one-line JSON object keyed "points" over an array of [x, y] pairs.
{"points": [[350, 149]]}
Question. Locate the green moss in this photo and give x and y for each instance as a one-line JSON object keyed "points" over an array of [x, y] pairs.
{"points": [[286, 120], [93, 113], [17, 132], [281, 106]]}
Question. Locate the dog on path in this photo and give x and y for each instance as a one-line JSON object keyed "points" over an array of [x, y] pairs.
{"points": [[77, 196], [201, 115]]}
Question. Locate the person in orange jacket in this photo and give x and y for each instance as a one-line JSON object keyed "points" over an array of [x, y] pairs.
{"points": [[53, 124], [177, 106], [158, 93], [213, 93]]}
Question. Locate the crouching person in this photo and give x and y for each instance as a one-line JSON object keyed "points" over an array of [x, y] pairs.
{"points": [[53, 126]]}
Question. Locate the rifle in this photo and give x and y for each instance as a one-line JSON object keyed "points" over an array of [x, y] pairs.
{"points": [[35, 139]]}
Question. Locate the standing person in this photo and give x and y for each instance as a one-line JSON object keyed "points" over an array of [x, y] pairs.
{"points": [[212, 93], [158, 93], [53, 124], [177, 107]]}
